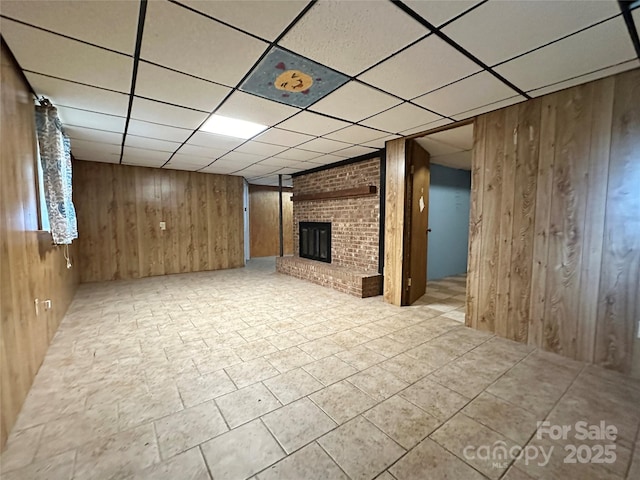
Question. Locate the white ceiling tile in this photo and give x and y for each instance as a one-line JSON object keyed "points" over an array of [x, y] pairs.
{"points": [[355, 101], [425, 127], [299, 155], [84, 145], [380, 142], [323, 145], [142, 162], [312, 124], [459, 160], [285, 138], [79, 96], [281, 162], [157, 112], [83, 118], [187, 162], [350, 36], [188, 42], [264, 18], [400, 118], [517, 27], [98, 155], [218, 168], [288, 171], [187, 167], [250, 108], [326, 160], [354, 151], [168, 86], [601, 46], [93, 135], [61, 57], [90, 21], [356, 134], [258, 148], [149, 158], [435, 147], [472, 92], [427, 65], [242, 158], [489, 108], [437, 12], [204, 152], [211, 140], [460, 137], [162, 132], [151, 144], [257, 170], [589, 77]]}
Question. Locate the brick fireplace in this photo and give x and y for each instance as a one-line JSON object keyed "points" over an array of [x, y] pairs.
{"points": [[346, 197]]}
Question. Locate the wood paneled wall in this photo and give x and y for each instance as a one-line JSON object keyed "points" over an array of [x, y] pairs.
{"points": [[264, 221], [554, 248], [30, 267], [119, 212]]}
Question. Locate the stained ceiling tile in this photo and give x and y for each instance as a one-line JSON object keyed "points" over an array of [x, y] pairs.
{"points": [[286, 138], [151, 144], [400, 118], [427, 65], [598, 47], [83, 118], [91, 21], [312, 124], [323, 145], [347, 36], [354, 102], [93, 135], [41, 52], [472, 92], [79, 96], [157, 112], [356, 134], [248, 107], [188, 42], [212, 140], [160, 83], [517, 27], [258, 148], [154, 130], [437, 12], [264, 18]]}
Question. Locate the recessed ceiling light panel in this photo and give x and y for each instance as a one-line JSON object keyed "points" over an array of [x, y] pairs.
{"points": [[232, 127], [288, 78]]}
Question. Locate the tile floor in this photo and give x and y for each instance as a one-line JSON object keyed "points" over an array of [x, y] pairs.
{"points": [[251, 374]]}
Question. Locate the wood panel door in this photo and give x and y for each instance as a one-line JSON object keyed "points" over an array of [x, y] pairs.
{"points": [[416, 223]]}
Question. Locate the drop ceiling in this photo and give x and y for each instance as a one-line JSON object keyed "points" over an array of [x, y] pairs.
{"points": [[451, 148], [135, 80]]}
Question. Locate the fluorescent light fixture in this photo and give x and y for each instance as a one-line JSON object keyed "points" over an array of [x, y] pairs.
{"points": [[232, 127]]}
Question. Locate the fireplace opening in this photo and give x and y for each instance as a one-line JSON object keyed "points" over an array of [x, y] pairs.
{"points": [[315, 241]]}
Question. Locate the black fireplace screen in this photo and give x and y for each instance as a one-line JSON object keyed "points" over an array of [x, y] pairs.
{"points": [[315, 241]]}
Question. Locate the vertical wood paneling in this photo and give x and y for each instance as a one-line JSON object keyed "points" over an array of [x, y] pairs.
{"points": [[570, 263], [119, 213], [30, 266], [619, 298], [264, 221]]}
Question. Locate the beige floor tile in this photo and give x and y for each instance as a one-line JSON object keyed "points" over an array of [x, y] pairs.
{"points": [[242, 452], [361, 449], [286, 340], [386, 346], [434, 356], [402, 421], [119, 455], [466, 382], [254, 333], [21, 448], [330, 370], [154, 404], [292, 385], [378, 382], [406, 368], [308, 463], [361, 357], [194, 391], [59, 467], [510, 420], [188, 465], [285, 360], [385, 476], [248, 373], [246, 404], [342, 401], [463, 437], [255, 349], [216, 360], [435, 399], [297, 424], [188, 428], [348, 338], [321, 348], [430, 457]]}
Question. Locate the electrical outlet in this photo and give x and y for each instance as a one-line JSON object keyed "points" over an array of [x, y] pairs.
{"points": [[163, 225]]}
